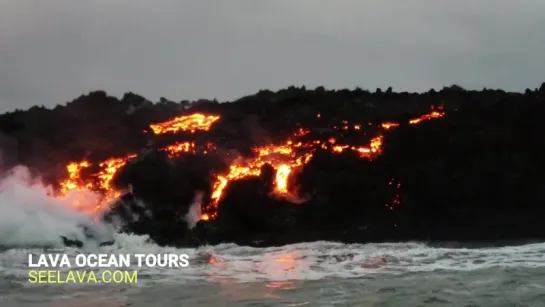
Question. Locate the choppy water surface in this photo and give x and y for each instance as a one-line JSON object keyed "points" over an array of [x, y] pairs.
{"points": [[310, 274]]}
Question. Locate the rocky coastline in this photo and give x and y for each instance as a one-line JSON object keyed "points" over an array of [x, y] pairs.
{"points": [[298, 164]]}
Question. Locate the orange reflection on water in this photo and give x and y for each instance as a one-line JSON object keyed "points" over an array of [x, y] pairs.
{"points": [[282, 285], [287, 262], [215, 273], [283, 272], [214, 261]]}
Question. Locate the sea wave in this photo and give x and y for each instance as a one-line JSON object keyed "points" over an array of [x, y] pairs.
{"points": [[305, 261]]}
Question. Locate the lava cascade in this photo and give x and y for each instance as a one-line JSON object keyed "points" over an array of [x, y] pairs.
{"points": [[285, 158]]}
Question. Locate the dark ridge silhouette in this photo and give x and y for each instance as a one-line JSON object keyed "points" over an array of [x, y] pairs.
{"points": [[298, 164]]}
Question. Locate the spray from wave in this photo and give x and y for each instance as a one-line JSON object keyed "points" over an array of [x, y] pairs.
{"points": [[30, 216], [195, 213]]}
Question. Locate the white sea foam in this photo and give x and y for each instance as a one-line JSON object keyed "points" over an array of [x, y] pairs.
{"points": [[304, 261]]}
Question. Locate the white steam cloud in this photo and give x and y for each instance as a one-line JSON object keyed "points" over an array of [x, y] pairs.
{"points": [[30, 216], [194, 214]]}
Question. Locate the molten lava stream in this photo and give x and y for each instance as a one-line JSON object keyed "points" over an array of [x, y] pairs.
{"points": [[75, 187], [433, 115], [282, 158], [192, 123]]}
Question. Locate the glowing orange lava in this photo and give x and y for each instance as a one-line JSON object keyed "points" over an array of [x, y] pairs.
{"points": [[389, 125], [73, 180], [191, 123], [282, 158], [282, 175], [100, 181], [434, 114], [180, 147], [285, 159]]}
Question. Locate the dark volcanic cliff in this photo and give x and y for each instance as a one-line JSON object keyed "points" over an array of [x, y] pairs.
{"points": [[476, 172]]}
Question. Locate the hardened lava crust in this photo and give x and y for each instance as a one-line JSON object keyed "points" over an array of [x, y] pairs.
{"points": [[296, 165]]}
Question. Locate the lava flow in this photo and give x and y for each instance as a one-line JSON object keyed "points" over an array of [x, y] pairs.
{"points": [[435, 113], [286, 159], [191, 123], [101, 180]]}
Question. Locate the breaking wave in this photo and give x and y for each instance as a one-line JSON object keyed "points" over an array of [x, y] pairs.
{"points": [[305, 261], [29, 216], [318, 260]]}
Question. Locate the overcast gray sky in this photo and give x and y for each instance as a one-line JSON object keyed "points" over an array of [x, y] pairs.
{"points": [[52, 51]]}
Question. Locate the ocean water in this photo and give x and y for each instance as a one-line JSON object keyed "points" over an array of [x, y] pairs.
{"points": [[306, 274]]}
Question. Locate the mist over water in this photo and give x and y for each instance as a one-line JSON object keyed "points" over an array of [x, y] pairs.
{"points": [[30, 216]]}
